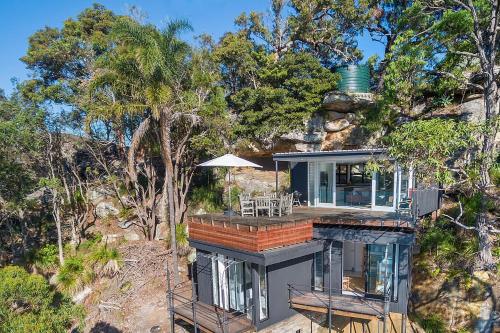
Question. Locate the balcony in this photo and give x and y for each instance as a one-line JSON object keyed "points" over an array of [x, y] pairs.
{"points": [[303, 298]]}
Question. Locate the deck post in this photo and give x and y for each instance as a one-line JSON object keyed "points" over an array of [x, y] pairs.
{"points": [[276, 175], [193, 295], [330, 288]]}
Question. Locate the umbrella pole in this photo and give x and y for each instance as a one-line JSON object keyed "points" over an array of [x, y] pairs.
{"points": [[230, 212]]}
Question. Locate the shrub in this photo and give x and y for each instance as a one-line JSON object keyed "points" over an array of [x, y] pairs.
{"points": [[106, 261], [182, 238], [433, 324], [208, 198], [47, 257], [29, 304], [72, 275]]}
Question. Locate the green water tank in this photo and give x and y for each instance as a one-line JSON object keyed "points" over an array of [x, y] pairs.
{"points": [[354, 78]]}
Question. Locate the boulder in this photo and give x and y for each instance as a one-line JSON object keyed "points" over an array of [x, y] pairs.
{"points": [[98, 194], [336, 125], [131, 236], [162, 231], [79, 297], [104, 209], [125, 224], [473, 110], [334, 115], [305, 147], [347, 102], [314, 137]]}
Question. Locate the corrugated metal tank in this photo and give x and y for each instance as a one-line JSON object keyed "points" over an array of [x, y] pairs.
{"points": [[354, 78]]}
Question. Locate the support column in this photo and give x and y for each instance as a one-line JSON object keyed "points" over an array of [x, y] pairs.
{"points": [[276, 175]]}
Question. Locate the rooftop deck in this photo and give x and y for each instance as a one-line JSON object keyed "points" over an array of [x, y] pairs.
{"points": [[261, 233], [345, 305]]}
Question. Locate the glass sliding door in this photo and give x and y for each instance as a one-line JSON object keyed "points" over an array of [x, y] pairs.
{"points": [[325, 188], [236, 287], [385, 189], [248, 290], [318, 271], [263, 300], [232, 284], [380, 269], [353, 186]]}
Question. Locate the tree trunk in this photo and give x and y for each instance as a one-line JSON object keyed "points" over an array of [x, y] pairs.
{"points": [[57, 218], [487, 158], [165, 138]]}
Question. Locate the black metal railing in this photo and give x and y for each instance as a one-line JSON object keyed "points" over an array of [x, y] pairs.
{"points": [[324, 297]]}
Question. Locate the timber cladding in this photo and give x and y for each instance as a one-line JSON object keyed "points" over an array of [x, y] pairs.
{"points": [[250, 238]]}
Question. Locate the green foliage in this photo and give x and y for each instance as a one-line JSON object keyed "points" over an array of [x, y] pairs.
{"points": [[92, 259], [288, 92], [181, 235], [428, 145], [495, 174], [450, 251], [72, 275], [61, 59], [47, 257], [208, 198], [21, 135], [433, 324], [29, 304]]}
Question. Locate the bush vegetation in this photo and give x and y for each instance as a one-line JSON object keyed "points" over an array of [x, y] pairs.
{"points": [[29, 304]]}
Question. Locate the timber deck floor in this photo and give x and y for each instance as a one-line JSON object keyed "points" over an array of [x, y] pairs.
{"points": [[329, 216], [209, 318], [341, 304]]}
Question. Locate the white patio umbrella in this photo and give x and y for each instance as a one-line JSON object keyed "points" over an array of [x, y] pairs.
{"points": [[230, 161]]}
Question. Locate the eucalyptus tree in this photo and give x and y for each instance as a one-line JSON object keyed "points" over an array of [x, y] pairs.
{"points": [[62, 61], [461, 39]]}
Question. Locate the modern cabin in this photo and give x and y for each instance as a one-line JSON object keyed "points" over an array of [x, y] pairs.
{"points": [[342, 260]]}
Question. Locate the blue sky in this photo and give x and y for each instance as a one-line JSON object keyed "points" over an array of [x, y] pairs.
{"points": [[19, 19]]}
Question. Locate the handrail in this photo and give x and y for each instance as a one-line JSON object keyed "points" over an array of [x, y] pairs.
{"points": [[308, 290]]}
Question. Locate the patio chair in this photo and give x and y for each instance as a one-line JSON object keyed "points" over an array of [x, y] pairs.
{"points": [[286, 204], [276, 206], [262, 204], [296, 198], [246, 206], [404, 207]]}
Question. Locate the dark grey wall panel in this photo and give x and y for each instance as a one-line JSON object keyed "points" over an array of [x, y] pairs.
{"points": [[426, 201], [401, 306], [363, 235], [266, 258], [297, 272], [298, 181], [204, 277]]}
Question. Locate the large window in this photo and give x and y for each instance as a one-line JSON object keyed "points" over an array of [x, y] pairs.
{"points": [[382, 272], [263, 295], [354, 186], [231, 284], [384, 189], [318, 271]]}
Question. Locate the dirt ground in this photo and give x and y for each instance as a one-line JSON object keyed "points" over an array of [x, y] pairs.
{"points": [[135, 300]]}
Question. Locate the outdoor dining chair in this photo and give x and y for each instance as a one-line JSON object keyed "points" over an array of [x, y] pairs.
{"points": [[246, 205], [262, 204]]}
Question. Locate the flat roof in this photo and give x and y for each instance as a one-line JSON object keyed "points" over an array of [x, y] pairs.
{"points": [[328, 154]]}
